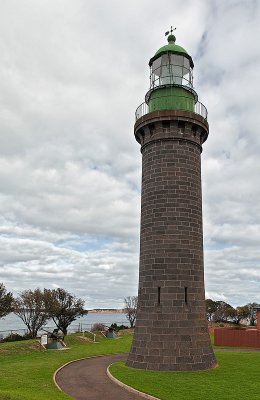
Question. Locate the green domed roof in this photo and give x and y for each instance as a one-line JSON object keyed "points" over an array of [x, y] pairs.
{"points": [[173, 48]]}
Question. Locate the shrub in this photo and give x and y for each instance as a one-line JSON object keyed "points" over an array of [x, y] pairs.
{"points": [[118, 327], [98, 326], [15, 337]]}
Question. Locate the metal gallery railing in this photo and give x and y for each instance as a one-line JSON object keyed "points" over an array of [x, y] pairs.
{"points": [[181, 103]]}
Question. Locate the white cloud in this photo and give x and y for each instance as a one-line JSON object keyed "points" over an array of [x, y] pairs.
{"points": [[71, 77]]}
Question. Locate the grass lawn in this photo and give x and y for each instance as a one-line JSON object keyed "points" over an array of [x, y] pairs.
{"points": [[26, 372], [238, 376]]}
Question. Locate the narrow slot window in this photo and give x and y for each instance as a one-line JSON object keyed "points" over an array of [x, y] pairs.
{"points": [[166, 124], [159, 295], [152, 128], [186, 295], [181, 126]]}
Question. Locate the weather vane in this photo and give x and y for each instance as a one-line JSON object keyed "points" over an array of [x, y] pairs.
{"points": [[172, 29]]}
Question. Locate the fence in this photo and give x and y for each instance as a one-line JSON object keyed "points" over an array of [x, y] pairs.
{"points": [[80, 327], [234, 337]]}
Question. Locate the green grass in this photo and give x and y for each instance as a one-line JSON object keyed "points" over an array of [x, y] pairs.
{"points": [[238, 375], [27, 373]]}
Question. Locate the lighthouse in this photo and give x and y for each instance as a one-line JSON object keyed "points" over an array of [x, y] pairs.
{"points": [[171, 126]]}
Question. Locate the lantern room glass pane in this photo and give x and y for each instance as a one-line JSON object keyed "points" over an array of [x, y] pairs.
{"points": [[186, 63], [177, 59], [176, 74], [165, 59], [176, 70], [165, 75], [156, 66], [186, 77], [170, 69]]}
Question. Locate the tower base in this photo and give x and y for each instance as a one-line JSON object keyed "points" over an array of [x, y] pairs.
{"points": [[171, 349]]}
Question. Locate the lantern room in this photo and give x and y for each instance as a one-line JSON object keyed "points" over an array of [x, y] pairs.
{"points": [[171, 82], [171, 65]]}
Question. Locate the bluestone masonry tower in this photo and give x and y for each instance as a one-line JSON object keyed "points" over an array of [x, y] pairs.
{"points": [[171, 329]]}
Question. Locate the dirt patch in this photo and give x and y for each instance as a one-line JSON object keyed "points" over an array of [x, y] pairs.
{"points": [[125, 332], [84, 339]]}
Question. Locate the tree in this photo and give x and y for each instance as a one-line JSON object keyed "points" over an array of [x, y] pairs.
{"points": [[241, 313], [6, 300], [252, 313], [224, 312], [30, 307], [131, 309], [63, 308], [211, 307]]}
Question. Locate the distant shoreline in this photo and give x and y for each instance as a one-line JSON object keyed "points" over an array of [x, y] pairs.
{"points": [[106, 311], [13, 323]]}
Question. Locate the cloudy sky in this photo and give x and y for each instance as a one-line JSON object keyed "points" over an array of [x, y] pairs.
{"points": [[71, 76]]}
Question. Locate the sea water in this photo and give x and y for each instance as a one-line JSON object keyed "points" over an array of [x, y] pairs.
{"points": [[13, 323]]}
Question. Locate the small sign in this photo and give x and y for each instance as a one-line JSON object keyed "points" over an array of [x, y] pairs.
{"points": [[44, 340]]}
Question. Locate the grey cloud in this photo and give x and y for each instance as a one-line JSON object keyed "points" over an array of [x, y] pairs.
{"points": [[71, 77]]}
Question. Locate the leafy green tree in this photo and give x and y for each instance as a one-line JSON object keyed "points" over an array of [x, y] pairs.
{"points": [[241, 313], [131, 309], [6, 300], [30, 307], [211, 307], [224, 312], [63, 308]]}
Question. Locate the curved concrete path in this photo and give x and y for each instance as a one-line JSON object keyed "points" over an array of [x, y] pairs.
{"points": [[87, 379]]}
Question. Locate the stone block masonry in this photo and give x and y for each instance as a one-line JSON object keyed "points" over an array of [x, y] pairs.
{"points": [[171, 329]]}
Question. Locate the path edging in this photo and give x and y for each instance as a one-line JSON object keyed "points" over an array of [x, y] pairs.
{"points": [[129, 388]]}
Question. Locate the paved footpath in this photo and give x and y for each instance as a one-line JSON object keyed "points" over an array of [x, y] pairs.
{"points": [[87, 380]]}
